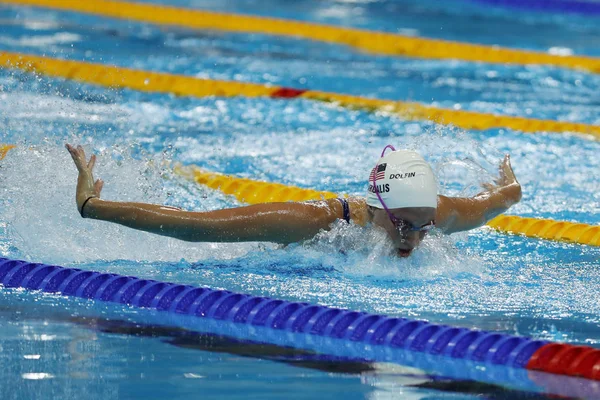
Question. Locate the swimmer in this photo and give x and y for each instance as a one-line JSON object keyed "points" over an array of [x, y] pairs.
{"points": [[402, 199]]}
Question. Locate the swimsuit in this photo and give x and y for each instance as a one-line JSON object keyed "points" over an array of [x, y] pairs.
{"points": [[346, 209]]}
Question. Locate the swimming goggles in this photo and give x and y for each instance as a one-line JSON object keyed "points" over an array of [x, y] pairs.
{"points": [[401, 225]]}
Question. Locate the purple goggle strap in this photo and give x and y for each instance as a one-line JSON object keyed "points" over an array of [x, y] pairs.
{"points": [[387, 210]]}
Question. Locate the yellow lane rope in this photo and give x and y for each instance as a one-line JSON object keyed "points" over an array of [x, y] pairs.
{"points": [[548, 229], [250, 191], [4, 148], [459, 118], [253, 192], [369, 41], [117, 77]]}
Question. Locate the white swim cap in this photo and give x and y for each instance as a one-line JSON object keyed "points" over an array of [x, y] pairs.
{"points": [[403, 179]]}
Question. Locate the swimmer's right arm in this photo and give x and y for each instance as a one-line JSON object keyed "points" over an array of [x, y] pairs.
{"points": [[455, 214], [273, 222]]}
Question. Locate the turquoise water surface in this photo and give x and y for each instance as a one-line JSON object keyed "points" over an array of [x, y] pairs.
{"points": [[57, 348]]}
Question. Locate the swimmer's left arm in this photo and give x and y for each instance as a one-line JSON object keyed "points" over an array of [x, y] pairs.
{"points": [[455, 214]]}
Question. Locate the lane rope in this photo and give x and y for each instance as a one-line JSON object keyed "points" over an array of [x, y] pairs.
{"points": [[253, 192], [4, 148], [369, 41], [377, 331], [569, 6], [181, 85]]}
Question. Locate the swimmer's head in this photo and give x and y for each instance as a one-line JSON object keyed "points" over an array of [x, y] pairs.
{"points": [[406, 227], [400, 179], [402, 197]]}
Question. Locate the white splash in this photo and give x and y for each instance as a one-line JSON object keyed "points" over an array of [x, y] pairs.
{"points": [[37, 196]]}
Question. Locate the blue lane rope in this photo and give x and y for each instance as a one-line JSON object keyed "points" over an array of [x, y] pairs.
{"points": [[293, 317], [569, 6]]}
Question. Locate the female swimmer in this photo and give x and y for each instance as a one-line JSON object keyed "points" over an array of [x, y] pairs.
{"points": [[402, 199]]}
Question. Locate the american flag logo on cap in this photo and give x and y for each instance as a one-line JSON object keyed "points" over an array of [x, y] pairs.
{"points": [[378, 172]]}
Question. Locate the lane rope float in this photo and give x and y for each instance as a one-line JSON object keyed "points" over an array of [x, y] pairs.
{"points": [[369, 41], [181, 85], [4, 148], [248, 190]]}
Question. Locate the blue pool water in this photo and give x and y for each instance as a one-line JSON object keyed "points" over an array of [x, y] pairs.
{"points": [[53, 348]]}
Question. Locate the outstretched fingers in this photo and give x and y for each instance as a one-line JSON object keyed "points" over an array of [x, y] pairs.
{"points": [[98, 187], [78, 155], [506, 167], [507, 176], [92, 162]]}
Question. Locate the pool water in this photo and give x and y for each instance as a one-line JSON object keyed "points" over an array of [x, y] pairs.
{"points": [[60, 348]]}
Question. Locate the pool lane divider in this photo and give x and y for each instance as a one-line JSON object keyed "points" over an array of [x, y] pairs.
{"points": [[586, 7], [181, 85], [294, 317], [374, 42], [253, 192], [4, 148], [250, 191]]}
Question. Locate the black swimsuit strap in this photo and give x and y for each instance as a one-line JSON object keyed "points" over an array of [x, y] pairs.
{"points": [[346, 209]]}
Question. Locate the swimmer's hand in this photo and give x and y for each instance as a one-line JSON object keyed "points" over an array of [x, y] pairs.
{"points": [[86, 187], [455, 214], [506, 179]]}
